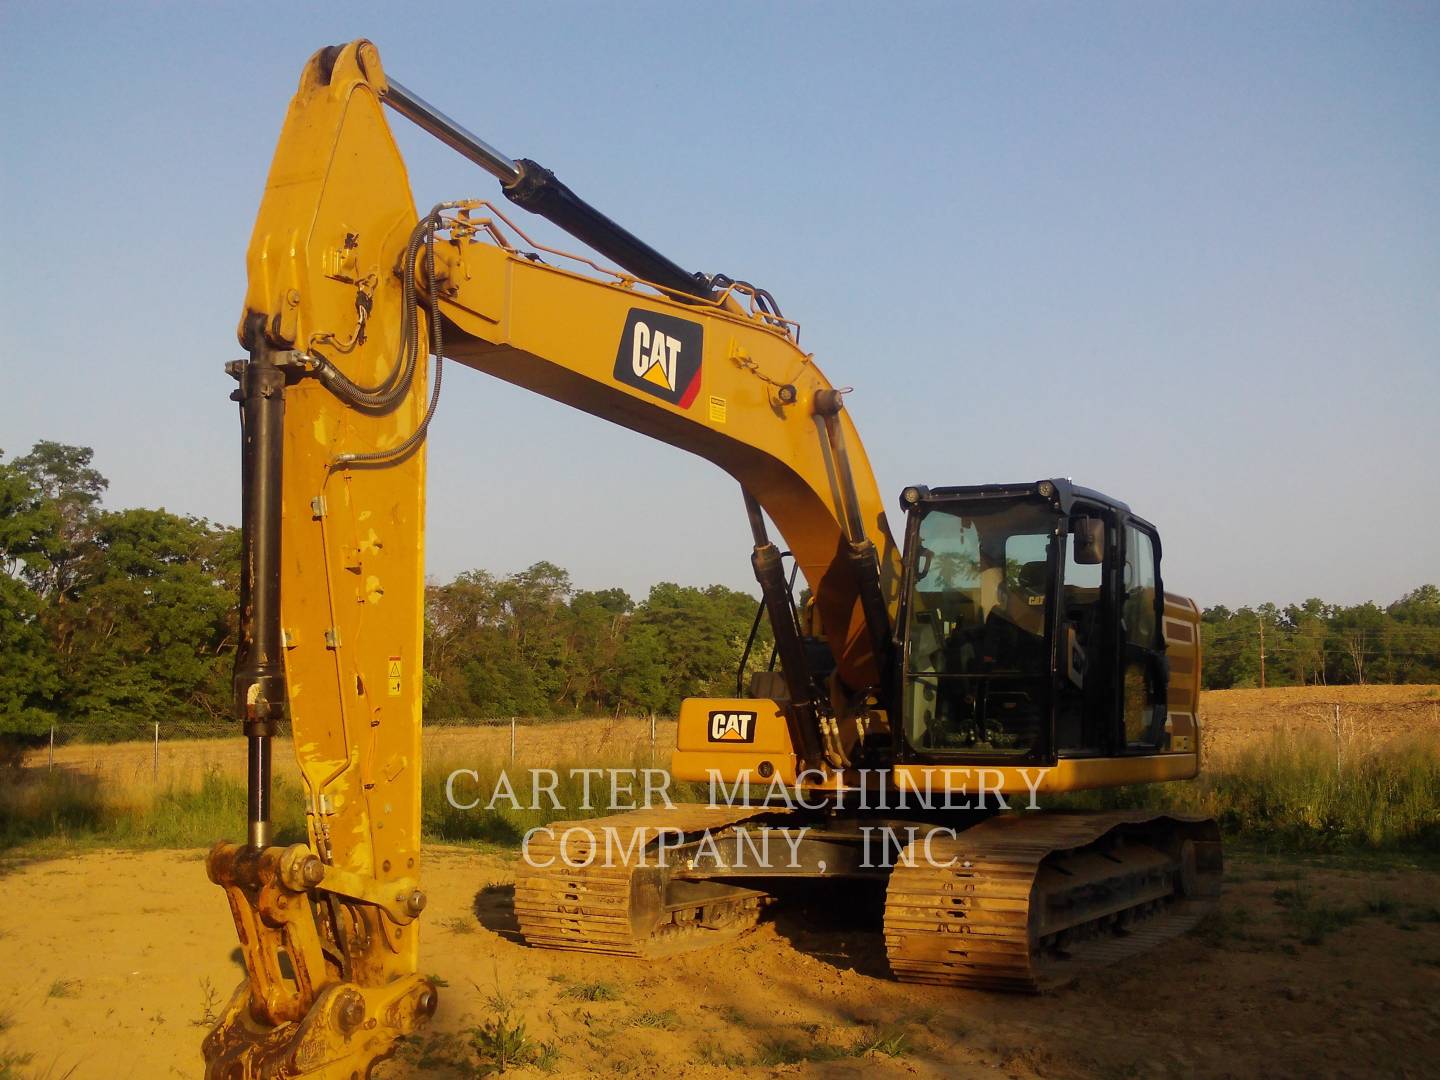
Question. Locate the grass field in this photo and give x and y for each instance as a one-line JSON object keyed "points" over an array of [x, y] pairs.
{"points": [[1311, 769]]}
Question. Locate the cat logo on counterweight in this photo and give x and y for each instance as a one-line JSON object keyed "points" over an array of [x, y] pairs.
{"points": [[732, 727], [660, 354]]}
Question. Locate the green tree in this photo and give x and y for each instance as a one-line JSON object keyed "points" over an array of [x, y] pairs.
{"points": [[694, 640], [153, 625], [1356, 640], [69, 490], [598, 624], [29, 678], [1309, 624], [1415, 628], [1230, 644]]}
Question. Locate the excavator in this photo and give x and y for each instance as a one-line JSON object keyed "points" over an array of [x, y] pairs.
{"points": [[1015, 644]]}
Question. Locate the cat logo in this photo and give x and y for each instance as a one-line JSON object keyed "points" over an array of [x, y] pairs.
{"points": [[660, 354], [732, 727]]}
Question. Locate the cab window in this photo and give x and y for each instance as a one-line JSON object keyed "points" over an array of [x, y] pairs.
{"points": [[1138, 610], [1142, 687], [977, 660]]}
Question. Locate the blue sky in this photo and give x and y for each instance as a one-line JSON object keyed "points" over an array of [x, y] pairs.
{"points": [[1189, 255]]}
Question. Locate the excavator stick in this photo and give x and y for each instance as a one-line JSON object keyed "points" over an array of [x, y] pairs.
{"points": [[333, 398]]}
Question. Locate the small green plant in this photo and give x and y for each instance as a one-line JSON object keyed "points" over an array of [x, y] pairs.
{"points": [[501, 1042], [1292, 896], [1223, 925], [713, 1054], [547, 1057], [11, 1063], [1312, 922], [1381, 903], [889, 1041], [458, 925], [64, 988], [443, 1050], [779, 1052], [593, 991], [666, 1019], [784, 1052]]}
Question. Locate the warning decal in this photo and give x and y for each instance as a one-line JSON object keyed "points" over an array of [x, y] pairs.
{"points": [[392, 675]]}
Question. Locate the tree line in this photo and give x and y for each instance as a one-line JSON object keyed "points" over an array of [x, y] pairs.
{"points": [[110, 619], [1316, 643], [114, 618]]}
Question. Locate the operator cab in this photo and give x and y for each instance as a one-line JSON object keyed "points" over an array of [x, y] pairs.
{"points": [[1032, 618]]}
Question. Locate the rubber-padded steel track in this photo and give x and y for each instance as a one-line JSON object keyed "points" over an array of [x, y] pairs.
{"points": [[1026, 901], [596, 886]]}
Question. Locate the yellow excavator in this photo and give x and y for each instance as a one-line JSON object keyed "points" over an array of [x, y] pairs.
{"points": [[1016, 644]]}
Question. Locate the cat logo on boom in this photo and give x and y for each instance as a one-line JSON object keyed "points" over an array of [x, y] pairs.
{"points": [[660, 354], [737, 727]]}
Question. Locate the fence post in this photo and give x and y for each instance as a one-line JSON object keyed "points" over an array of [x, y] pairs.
{"points": [[512, 740], [155, 772], [52, 747], [652, 738]]}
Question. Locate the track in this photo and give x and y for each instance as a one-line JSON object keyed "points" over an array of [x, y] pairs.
{"points": [[1033, 900], [596, 886]]}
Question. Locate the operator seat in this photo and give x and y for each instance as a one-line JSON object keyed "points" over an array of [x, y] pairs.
{"points": [[1025, 606]]}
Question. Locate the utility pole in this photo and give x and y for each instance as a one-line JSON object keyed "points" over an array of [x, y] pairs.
{"points": [[1262, 652]]}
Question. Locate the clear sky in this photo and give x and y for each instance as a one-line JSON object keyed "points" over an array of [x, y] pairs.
{"points": [[1189, 255]]}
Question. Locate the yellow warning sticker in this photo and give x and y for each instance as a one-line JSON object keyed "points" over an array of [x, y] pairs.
{"points": [[393, 673], [717, 410]]}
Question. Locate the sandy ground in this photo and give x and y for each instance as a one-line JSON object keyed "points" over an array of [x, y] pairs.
{"points": [[108, 957]]}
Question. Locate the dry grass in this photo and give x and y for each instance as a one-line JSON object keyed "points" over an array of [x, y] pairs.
{"points": [[1280, 770], [1309, 791], [194, 803]]}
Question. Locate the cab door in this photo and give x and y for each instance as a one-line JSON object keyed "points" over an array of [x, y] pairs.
{"points": [[1086, 645], [1143, 674]]}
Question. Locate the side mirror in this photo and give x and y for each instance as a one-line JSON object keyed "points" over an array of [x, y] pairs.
{"points": [[1089, 533]]}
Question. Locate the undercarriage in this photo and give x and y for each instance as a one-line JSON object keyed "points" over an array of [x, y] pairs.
{"points": [[1019, 901]]}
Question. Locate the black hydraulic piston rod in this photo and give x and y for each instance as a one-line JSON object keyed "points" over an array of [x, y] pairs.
{"points": [[535, 188], [774, 589], [259, 660]]}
